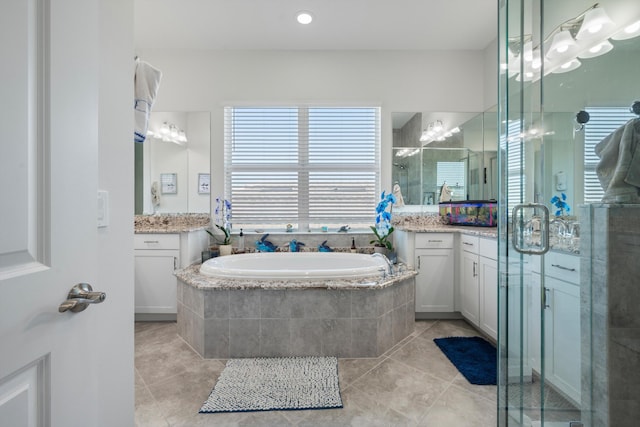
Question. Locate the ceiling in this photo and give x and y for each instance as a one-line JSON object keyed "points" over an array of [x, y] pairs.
{"points": [[338, 24]]}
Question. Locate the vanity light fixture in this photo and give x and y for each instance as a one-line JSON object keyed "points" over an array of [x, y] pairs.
{"points": [[169, 132], [407, 152], [304, 17], [436, 132], [583, 36]]}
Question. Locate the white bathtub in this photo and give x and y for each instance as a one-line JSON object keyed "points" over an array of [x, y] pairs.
{"points": [[290, 266]]}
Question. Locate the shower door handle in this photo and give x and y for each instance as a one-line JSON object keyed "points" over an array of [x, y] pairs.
{"points": [[517, 233]]}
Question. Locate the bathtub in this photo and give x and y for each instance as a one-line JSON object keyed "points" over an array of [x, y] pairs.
{"points": [[294, 266], [286, 304]]}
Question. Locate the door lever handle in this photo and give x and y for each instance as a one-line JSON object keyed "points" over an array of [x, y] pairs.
{"points": [[79, 298]]}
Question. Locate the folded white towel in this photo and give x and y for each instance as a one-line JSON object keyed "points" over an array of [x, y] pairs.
{"points": [[155, 195], [619, 167], [445, 193], [146, 82], [397, 192]]}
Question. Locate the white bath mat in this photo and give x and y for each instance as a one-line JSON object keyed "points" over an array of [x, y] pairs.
{"points": [[278, 383]]}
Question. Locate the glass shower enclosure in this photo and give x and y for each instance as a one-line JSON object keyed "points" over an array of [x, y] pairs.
{"points": [[569, 72]]}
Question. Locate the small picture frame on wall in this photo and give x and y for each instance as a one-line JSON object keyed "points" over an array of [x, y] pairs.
{"points": [[204, 183], [169, 182]]}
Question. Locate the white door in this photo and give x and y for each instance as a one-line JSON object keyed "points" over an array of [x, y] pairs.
{"points": [[57, 369]]}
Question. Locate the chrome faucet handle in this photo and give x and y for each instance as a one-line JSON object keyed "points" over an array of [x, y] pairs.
{"points": [[389, 263]]}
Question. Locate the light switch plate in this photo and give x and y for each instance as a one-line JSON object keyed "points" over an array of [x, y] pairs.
{"points": [[103, 208]]}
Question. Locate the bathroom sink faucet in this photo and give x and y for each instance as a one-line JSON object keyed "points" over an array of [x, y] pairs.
{"points": [[390, 269]]}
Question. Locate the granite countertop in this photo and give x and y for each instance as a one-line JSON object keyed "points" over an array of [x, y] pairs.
{"points": [[191, 276], [170, 223], [491, 232], [435, 224]]}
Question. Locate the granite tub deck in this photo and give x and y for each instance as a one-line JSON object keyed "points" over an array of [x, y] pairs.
{"points": [[223, 318]]}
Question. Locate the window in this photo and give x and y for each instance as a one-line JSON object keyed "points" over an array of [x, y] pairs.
{"points": [[602, 122], [453, 174], [516, 178], [307, 166]]}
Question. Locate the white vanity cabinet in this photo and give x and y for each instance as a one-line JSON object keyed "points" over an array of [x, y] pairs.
{"points": [[434, 262], [478, 271], [156, 257], [488, 286], [560, 303], [457, 275], [469, 279]]}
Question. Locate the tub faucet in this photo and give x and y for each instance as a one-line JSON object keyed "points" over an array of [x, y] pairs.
{"points": [[390, 269], [294, 245]]}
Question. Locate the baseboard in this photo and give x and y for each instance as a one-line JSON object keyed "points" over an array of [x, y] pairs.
{"points": [[436, 316], [155, 317]]}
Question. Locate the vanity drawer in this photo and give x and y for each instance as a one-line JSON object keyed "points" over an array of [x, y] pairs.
{"points": [[469, 243], [156, 241], [434, 240], [562, 266], [488, 248]]}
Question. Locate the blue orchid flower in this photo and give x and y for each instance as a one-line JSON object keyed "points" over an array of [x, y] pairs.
{"points": [[560, 204]]}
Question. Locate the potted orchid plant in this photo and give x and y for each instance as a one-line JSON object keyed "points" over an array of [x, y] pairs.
{"points": [[222, 216], [383, 228]]}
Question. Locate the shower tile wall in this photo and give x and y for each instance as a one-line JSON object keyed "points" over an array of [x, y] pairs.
{"points": [[610, 249], [407, 171]]}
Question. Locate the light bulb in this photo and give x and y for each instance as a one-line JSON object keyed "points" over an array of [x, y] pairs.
{"points": [[304, 17], [629, 32], [568, 66], [597, 50], [561, 43]]}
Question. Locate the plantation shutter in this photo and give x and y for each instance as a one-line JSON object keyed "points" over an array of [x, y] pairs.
{"points": [[308, 166], [516, 178], [453, 173], [602, 122]]}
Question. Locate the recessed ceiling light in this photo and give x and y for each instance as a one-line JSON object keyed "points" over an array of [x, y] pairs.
{"points": [[304, 17]]}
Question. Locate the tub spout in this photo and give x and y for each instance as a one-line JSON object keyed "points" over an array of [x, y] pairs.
{"points": [[390, 269]]}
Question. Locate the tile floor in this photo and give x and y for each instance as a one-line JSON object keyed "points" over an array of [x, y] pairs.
{"points": [[413, 384]]}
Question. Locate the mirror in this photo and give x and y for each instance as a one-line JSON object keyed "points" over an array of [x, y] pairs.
{"points": [[172, 175], [432, 148]]}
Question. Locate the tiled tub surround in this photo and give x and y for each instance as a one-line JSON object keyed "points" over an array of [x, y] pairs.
{"points": [[171, 223], [610, 318], [223, 318]]}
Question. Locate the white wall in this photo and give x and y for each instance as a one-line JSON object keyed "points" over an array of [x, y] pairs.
{"points": [[197, 80], [115, 243], [490, 72], [199, 134]]}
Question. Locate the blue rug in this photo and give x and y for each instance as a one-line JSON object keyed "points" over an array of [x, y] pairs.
{"points": [[474, 357]]}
